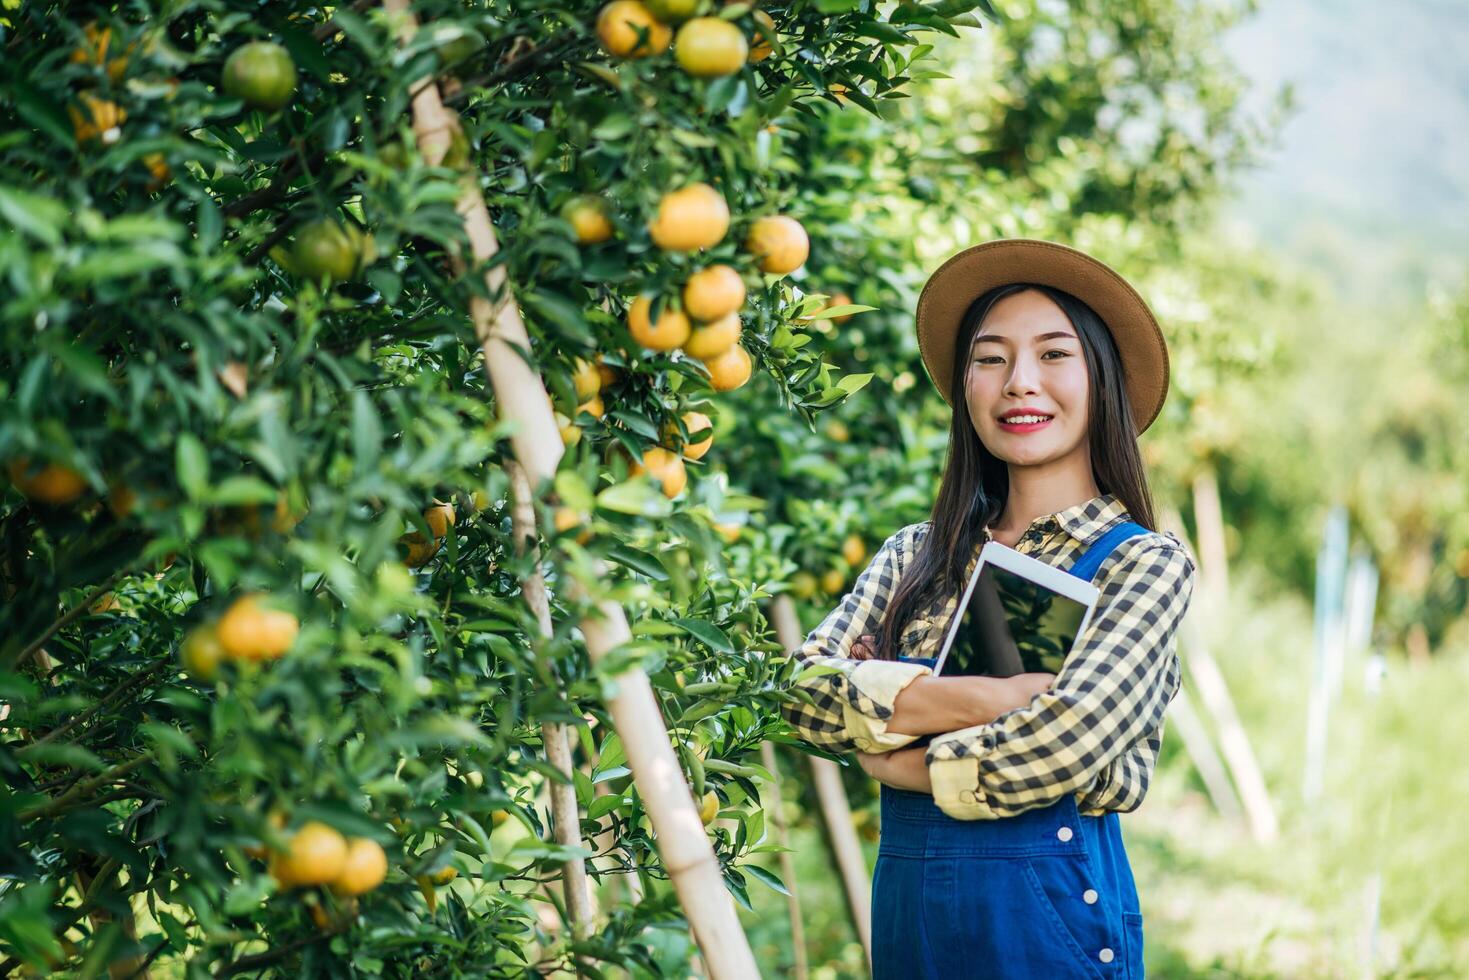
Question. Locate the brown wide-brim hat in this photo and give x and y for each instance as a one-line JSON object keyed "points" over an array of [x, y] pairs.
{"points": [[968, 275]]}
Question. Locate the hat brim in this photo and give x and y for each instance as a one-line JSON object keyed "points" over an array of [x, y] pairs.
{"points": [[966, 276]]}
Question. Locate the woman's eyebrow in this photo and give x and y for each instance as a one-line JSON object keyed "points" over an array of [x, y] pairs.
{"points": [[997, 339]]}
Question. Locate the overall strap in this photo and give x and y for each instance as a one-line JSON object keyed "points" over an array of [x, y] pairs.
{"points": [[1086, 567]]}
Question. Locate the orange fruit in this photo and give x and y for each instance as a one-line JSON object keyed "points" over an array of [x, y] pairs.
{"points": [[709, 47], [673, 11], [570, 431], [158, 169], [606, 372], [837, 431], [779, 243], [694, 422], [200, 653], [440, 518], [853, 550], [364, 869], [665, 467], [96, 119], [587, 378], [262, 74], [418, 549], [122, 500], [760, 48], [566, 518], [52, 484], [832, 580], [713, 339], [444, 875], [499, 817], [689, 219], [730, 370], [316, 855], [670, 332], [840, 299], [621, 25], [587, 215], [713, 292], [729, 532], [251, 630], [324, 249], [709, 807], [804, 585], [593, 406]]}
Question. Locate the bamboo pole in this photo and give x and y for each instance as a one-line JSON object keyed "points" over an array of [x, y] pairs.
{"points": [[521, 395], [565, 819], [1234, 742], [1209, 518], [1200, 748], [801, 969], [826, 776]]}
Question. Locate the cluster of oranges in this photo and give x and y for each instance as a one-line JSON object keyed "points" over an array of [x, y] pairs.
{"points": [[705, 47], [419, 549], [251, 630], [805, 585], [319, 855]]}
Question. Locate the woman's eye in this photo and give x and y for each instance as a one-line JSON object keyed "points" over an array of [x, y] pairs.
{"points": [[1061, 352], [987, 360]]}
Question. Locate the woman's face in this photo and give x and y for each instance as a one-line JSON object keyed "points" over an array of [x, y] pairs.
{"points": [[1026, 358]]}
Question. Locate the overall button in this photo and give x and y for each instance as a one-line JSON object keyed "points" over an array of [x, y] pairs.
{"points": [[1105, 955], [1089, 896], [1064, 833]]}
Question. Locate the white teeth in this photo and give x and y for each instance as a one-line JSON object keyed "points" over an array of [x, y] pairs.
{"points": [[1026, 419]]}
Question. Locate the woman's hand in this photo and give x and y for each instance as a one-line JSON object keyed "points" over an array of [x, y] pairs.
{"points": [[900, 769]]}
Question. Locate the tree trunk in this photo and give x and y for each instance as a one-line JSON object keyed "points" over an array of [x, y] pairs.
{"points": [[826, 776], [521, 395]]}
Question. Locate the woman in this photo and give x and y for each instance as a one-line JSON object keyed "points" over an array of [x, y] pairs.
{"points": [[1001, 854]]}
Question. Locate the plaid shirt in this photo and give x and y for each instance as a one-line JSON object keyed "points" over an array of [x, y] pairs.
{"points": [[1095, 733]]}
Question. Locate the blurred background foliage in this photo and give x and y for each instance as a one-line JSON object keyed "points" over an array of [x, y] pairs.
{"points": [[237, 425]]}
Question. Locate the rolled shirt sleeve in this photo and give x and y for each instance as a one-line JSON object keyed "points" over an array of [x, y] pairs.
{"points": [[1106, 705], [844, 705]]}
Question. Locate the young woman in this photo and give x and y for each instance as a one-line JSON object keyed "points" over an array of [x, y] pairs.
{"points": [[1001, 855]]}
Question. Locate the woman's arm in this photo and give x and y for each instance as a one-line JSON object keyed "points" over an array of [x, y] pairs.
{"points": [[903, 769], [1111, 692]]}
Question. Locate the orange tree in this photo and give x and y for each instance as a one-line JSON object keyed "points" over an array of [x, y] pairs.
{"points": [[269, 685]]}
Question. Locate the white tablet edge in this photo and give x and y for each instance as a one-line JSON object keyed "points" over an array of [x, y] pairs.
{"points": [[1025, 566]]}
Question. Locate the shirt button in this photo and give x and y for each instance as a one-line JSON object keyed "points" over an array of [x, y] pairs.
{"points": [[1105, 955], [1089, 896], [1064, 833]]}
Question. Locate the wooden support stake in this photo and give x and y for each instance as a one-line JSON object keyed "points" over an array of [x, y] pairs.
{"points": [[520, 394], [827, 778], [787, 864]]}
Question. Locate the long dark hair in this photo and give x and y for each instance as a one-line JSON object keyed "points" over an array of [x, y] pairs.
{"points": [[976, 483]]}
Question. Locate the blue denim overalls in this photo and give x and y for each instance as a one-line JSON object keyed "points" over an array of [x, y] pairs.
{"points": [[1043, 895]]}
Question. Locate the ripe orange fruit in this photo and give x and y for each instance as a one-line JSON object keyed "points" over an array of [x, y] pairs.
{"points": [[670, 332], [840, 299], [316, 855], [200, 653], [620, 27], [251, 630], [709, 47], [709, 807], [498, 817], [832, 580], [158, 169], [122, 500], [606, 372], [324, 249], [804, 585], [566, 518], [262, 74], [593, 406], [96, 119], [587, 215], [440, 518], [665, 467], [779, 243], [587, 378], [444, 875], [713, 292], [570, 431], [694, 422], [672, 11], [837, 431], [418, 549], [364, 869], [853, 550], [729, 532], [730, 370], [713, 339], [690, 218], [52, 484], [760, 48]]}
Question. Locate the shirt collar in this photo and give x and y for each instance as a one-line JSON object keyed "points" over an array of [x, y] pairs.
{"points": [[1087, 521]]}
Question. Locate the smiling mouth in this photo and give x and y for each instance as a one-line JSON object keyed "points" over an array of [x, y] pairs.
{"points": [[1025, 423]]}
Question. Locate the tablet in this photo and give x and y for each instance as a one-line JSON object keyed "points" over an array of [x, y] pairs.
{"points": [[1019, 615]]}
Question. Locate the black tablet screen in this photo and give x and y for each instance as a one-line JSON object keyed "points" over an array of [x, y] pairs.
{"points": [[1012, 625]]}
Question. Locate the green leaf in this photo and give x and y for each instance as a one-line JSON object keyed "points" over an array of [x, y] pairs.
{"points": [[192, 462], [765, 877], [853, 383], [707, 633], [638, 497], [639, 561], [604, 805], [40, 217]]}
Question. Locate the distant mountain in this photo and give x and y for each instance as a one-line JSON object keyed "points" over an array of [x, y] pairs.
{"points": [[1370, 183]]}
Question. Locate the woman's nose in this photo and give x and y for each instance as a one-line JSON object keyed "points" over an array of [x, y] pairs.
{"points": [[1023, 376]]}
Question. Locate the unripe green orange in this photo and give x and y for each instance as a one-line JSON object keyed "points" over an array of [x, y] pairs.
{"points": [[262, 74]]}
